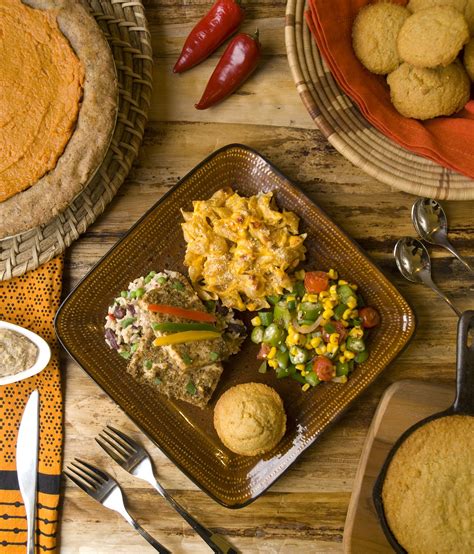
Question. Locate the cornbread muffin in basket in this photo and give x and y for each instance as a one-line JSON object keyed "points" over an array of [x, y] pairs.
{"points": [[428, 492], [423, 93], [432, 37], [374, 36], [417, 5], [250, 419], [469, 59]]}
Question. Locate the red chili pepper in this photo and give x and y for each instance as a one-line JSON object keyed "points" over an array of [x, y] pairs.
{"points": [[221, 21], [236, 65]]}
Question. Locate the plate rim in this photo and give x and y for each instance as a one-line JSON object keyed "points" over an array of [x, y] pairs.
{"points": [[411, 329]]}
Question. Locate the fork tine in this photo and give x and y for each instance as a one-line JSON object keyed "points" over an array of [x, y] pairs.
{"points": [[75, 480], [110, 449], [81, 481], [131, 443], [93, 472], [117, 444]]}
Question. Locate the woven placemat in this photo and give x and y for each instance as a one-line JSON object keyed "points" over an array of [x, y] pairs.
{"points": [[342, 124], [124, 25]]}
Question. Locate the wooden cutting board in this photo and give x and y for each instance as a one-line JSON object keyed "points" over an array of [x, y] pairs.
{"points": [[403, 404]]}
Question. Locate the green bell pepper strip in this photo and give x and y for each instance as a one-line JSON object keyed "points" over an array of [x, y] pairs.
{"points": [[283, 359], [339, 311], [342, 368], [311, 310]]}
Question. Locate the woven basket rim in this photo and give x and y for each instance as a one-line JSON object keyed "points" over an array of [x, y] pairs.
{"points": [[342, 124]]}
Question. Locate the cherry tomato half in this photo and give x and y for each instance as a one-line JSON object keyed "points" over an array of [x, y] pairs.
{"points": [[316, 281], [370, 317], [324, 368]]}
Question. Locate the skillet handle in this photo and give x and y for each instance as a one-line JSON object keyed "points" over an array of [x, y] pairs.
{"points": [[464, 402]]}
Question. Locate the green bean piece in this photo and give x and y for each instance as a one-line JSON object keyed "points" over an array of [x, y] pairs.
{"points": [[299, 355], [125, 354], [339, 311], [345, 292], [362, 357], [355, 345], [257, 334], [213, 356], [127, 321], [266, 318], [150, 276], [311, 310], [342, 368], [191, 388], [283, 359], [162, 280], [274, 299], [263, 367], [139, 292], [312, 379], [148, 364], [178, 285], [281, 315], [124, 294], [273, 335], [299, 289]]}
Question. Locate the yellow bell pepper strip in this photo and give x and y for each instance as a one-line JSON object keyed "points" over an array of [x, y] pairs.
{"points": [[178, 327], [194, 315], [185, 336]]}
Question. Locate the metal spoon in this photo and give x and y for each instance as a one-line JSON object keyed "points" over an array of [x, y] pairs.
{"points": [[430, 222], [414, 264]]}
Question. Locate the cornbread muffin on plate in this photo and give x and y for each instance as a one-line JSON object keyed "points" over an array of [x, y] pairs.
{"points": [[469, 58], [250, 419], [469, 15], [423, 93], [374, 36], [432, 37], [428, 492]]}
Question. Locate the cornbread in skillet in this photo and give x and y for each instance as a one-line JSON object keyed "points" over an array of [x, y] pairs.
{"points": [[250, 419], [428, 492], [374, 36], [423, 93], [58, 100], [432, 37]]}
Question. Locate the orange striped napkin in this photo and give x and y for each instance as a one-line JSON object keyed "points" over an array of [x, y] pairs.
{"points": [[445, 140], [32, 301]]}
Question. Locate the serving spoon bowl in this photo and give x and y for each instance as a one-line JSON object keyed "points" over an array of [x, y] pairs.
{"points": [[413, 262], [431, 223], [42, 359]]}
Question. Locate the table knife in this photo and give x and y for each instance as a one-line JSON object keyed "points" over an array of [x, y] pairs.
{"points": [[27, 464]]}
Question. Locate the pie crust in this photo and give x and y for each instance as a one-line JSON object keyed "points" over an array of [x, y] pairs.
{"points": [[95, 124]]}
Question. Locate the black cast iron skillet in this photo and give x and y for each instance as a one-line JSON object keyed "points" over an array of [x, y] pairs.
{"points": [[463, 405]]}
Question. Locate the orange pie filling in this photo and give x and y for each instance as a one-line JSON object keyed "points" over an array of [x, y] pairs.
{"points": [[41, 82]]}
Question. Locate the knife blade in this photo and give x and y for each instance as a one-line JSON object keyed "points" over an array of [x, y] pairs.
{"points": [[27, 463]]}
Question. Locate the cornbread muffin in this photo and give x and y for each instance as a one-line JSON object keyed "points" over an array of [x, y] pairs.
{"points": [[374, 36], [428, 493], [432, 37], [469, 15], [417, 5], [250, 419], [469, 58], [423, 93]]}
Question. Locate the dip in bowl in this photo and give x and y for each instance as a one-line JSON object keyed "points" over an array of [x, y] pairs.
{"points": [[22, 353]]}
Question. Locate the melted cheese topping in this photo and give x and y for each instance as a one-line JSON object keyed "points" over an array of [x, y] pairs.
{"points": [[241, 249]]}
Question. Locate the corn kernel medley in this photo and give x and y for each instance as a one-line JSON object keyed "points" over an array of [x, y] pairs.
{"points": [[315, 333]]}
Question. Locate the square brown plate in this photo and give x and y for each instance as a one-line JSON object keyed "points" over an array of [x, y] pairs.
{"points": [[183, 432]]}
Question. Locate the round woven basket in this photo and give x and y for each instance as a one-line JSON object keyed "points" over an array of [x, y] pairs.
{"points": [[124, 25], [342, 124]]}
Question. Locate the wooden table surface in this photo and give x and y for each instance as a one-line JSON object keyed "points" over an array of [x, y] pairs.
{"points": [[305, 510]]}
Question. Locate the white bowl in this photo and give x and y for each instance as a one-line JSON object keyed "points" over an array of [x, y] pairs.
{"points": [[44, 354]]}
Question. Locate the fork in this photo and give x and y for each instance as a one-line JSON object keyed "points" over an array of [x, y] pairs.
{"points": [[103, 488], [133, 458]]}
